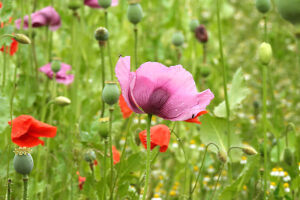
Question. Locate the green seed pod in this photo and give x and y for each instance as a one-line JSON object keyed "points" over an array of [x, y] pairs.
{"points": [[205, 71], [23, 164], [55, 65], [21, 38], [62, 101], [110, 93], [105, 3], [177, 39], [102, 127], [288, 156], [289, 10], [194, 23], [101, 34], [263, 6], [265, 53], [89, 155], [74, 4], [135, 13], [249, 150]]}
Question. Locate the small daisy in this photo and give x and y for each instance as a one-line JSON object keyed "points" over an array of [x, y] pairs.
{"points": [[172, 193], [193, 144], [175, 145], [280, 172], [122, 141], [286, 177], [274, 172], [286, 187], [196, 168], [202, 147], [216, 177], [206, 179], [299, 166], [245, 189], [243, 160], [211, 169], [156, 197], [272, 186], [131, 189]]}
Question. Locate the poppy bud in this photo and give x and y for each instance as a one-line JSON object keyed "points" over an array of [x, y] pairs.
{"points": [[62, 101], [265, 53], [23, 162], [205, 71], [201, 34], [135, 12], [55, 65], [288, 156], [101, 34], [289, 10], [263, 6], [74, 5], [21, 38], [104, 3], [103, 127], [222, 156], [89, 155], [110, 93], [249, 150], [177, 39], [194, 23]]}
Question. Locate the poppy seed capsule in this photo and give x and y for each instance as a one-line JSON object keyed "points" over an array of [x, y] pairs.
{"points": [[177, 39], [111, 93], [103, 127], [101, 34], [55, 65], [74, 5], [135, 13], [23, 164], [263, 6], [201, 34], [90, 155], [205, 71], [265, 53], [194, 23], [104, 3], [62, 101], [288, 156], [21, 38], [289, 10]]}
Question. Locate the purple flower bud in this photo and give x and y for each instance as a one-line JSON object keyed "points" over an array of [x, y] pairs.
{"points": [[201, 34]]}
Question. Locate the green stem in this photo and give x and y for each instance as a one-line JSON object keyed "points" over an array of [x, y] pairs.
{"points": [[103, 77], [289, 126], [25, 181], [264, 124], [265, 29], [204, 46], [135, 29], [200, 170], [4, 69], [225, 86], [111, 110], [108, 47], [148, 156], [104, 168], [212, 196], [8, 188]]}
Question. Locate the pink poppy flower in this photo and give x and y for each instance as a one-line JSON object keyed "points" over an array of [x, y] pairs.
{"points": [[168, 92], [61, 75], [95, 4], [45, 17]]}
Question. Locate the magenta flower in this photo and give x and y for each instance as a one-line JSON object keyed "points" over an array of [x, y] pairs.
{"points": [[45, 17], [61, 75], [95, 4], [168, 92]]}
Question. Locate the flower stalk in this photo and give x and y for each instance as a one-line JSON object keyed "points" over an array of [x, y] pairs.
{"points": [[264, 122], [135, 30], [148, 156], [25, 182], [103, 75], [108, 46], [111, 110]]}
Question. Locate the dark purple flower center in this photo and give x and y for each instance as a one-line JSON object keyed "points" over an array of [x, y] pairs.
{"points": [[156, 101]]}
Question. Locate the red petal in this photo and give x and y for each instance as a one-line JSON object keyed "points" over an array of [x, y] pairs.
{"points": [[13, 47], [116, 155], [160, 136], [195, 119], [126, 111], [40, 129]]}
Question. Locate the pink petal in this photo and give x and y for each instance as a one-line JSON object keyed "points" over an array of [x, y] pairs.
{"points": [[95, 4]]}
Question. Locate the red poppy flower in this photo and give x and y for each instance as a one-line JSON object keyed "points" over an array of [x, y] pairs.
{"points": [[159, 135], [126, 111], [116, 155], [195, 119], [95, 162], [0, 4], [12, 49], [81, 180], [26, 131]]}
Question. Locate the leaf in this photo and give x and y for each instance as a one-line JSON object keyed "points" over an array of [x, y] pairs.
{"points": [[6, 10], [133, 163], [4, 110], [213, 130], [236, 95], [230, 191]]}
